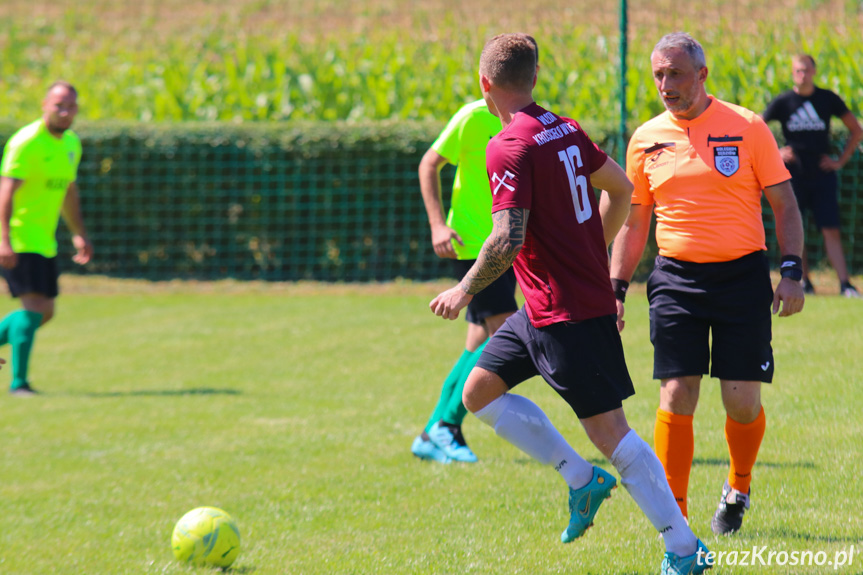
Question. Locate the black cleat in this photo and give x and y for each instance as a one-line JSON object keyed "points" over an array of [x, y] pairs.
{"points": [[848, 290], [729, 514], [23, 390]]}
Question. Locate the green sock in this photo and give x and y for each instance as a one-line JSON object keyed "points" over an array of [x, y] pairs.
{"points": [[449, 386], [6, 323], [21, 332], [455, 411]]}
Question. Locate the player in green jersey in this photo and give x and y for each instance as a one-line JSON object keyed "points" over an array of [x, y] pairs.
{"points": [[460, 237], [37, 186]]}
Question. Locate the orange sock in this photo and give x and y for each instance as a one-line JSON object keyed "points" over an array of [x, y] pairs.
{"points": [[674, 444], [744, 440]]}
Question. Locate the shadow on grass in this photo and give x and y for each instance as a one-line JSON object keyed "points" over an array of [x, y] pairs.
{"points": [[788, 533], [711, 462], [769, 464], [164, 392], [528, 461]]}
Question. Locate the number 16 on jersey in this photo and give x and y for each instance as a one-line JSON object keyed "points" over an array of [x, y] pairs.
{"points": [[571, 158]]}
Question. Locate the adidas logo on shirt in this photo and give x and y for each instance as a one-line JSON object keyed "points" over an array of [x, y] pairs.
{"points": [[806, 119]]}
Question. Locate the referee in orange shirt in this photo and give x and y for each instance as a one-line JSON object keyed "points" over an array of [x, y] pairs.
{"points": [[701, 167]]}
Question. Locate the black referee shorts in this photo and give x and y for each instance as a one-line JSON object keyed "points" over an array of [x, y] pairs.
{"points": [[34, 273], [583, 362], [730, 301], [497, 298]]}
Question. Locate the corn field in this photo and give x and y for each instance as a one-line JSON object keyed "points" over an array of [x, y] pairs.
{"points": [[269, 60]]}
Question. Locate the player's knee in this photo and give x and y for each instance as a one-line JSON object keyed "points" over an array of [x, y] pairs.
{"points": [[481, 388], [742, 400], [606, 430], [743, 411], [679, 396], [471, 398], [495, 322], [47, 316]]}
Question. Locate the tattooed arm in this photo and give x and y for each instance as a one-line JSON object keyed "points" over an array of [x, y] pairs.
{"points": [[499, 250], [496, 256]]}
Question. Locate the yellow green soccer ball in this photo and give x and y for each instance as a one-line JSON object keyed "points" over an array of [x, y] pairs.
{"points": [[206, 536]]}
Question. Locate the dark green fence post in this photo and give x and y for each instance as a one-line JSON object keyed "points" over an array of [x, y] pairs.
{"points": [[621, 135]]}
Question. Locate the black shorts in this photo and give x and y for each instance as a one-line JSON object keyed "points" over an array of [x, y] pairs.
{"points": [[497, 298], [34, 273], [731, 301], [583, 362], [818, 194]]}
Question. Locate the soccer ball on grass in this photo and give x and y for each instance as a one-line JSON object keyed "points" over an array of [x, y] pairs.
{"points": [[206, 536]]}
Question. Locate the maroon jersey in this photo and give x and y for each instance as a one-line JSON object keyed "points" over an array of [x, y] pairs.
{"points": [[542, 162]]}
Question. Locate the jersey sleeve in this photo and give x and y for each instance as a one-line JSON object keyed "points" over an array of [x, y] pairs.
{"points": [[509, 174], [838, 107], [771, 112], [596, 157], [641, 195], [766, 161], [15, 161], [449, 142]]}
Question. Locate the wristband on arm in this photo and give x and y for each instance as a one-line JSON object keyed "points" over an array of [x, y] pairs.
{"points": [[791, 267], [619, 286]]}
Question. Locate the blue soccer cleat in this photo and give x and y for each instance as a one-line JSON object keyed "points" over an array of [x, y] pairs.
{"points": [[448, 438], [585, 502], [689, 565], [423, 448]]}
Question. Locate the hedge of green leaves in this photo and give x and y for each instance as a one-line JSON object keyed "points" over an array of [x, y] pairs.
{"points": [[328, 201]]}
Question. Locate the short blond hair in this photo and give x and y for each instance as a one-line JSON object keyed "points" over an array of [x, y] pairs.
{"points": [[509, 61], [804, 58]]}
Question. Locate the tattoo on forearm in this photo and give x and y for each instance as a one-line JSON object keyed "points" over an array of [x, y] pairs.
{"points": [[499, 250]]}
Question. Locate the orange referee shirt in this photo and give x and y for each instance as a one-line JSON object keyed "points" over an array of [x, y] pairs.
{"points": [[704, 178]]}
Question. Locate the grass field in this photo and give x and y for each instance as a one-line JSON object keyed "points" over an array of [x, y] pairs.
{"points": [[293, 408]]}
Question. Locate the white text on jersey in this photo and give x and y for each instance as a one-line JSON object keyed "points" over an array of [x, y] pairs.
{"points": [[555, 133], [547, 119]]}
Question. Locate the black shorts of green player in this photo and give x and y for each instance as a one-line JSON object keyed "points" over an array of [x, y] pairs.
{"points": [[712, 318], [497, 298], [33, 273], [582, 361]]}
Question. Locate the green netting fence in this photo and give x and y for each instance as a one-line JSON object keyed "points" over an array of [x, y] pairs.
{"points": [[316, 201]]}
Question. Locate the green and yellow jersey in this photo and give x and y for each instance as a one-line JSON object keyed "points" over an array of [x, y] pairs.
{"points": [[463, 142], [47, 166]]}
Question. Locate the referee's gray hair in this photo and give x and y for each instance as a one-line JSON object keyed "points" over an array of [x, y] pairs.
{"points": [[684, 42]]}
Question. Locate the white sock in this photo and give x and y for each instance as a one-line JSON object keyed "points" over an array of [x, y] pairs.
{"points": [[642, 475], [521, 422]]}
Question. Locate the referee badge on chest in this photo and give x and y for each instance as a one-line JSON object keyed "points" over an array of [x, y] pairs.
{"points": [[726, 160]]}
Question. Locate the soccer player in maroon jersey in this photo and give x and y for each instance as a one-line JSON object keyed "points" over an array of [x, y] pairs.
{"points": [[548, 225]]}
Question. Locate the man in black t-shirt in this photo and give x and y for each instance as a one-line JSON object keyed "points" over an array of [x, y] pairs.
{"points": [[805, 113]]}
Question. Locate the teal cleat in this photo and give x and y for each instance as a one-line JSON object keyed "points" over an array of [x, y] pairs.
{"points": [[585, 502], [698, 562], [423, 448], [448, 438]]}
